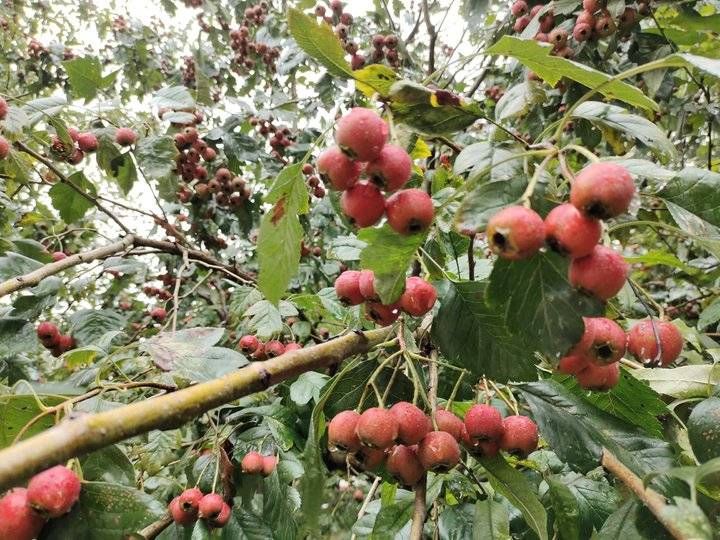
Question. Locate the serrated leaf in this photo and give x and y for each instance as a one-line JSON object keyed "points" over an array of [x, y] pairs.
{"points": [[290, 186], [15, 264], [689, 519], [17, 410], [472, 335], [265, 319], [43, 108], [389, 255], [518, 100], [156, 156], [109, 464], [682, 382], [125, 173], [491, 522], [546, 311], [278, 249], [696, 190], [167, 348], [485, 158], [566, 510], [595, 500], [375, 78], [69, 203], [551, 69], [480, 204], [632, 521], [307, 387], [710, 315], [85, 76], [319, 41], [174, 97], [89, 325]]}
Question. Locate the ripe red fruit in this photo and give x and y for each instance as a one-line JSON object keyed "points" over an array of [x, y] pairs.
{"points": [[438, 451], [599, 378], [602, 190], [572, 364], [178, 515], [382, 314], [392, 168], [591, 5], [363, 204], [158, 314], [274, 348], [520, 435], [403, 464], [361, 134], [58, 256], [370, 458], [643, 344], [292, 346], [605, 26], [210, 505], [268, 465], [249, 344], [189, 501], [47, 332], [252, 463], [569, 232], [347, 288], [449, 423], [342, 432], [377, 428], [337, 169], [3, 109], [87, 142], [481, 448], [558, 38], [222, 517], [628, 17], [4, 148], [602, 273], [413, 423], [519, 8], [54, 491], [521, 23], [18, 521], [366, 284], [65, 342], [586, 17], [582, 31], [515, 233], [419, 296], [409, 211], [483, 423], [125, 136], [602, 343]]}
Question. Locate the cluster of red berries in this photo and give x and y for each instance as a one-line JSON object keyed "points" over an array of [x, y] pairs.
{"points": [[281, 135], [600, 191], [256, 463], [4, 144], [50, 494], [409, 443], [161, 294], [35, 48], [51, 338], [192, 504], [313, 182], [353, 287], [594, 360], [158, 314], [258, 350], [362, 149], [495, 92], [83, 142], [228, 190], [385, 48], [188, 71], [244, 46], [192, 148]]}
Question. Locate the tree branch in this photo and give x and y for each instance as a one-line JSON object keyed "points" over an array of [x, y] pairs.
{"points": [[154, 529], [650, 498], [433, 37], [78, 436]]}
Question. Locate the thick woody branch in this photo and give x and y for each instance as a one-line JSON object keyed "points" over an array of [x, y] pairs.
{"points": [[649, 497], [78, 436]]}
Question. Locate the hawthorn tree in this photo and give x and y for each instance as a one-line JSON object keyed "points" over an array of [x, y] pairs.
{"points": [[423, 269]]}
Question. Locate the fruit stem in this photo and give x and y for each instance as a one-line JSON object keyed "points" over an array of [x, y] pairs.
{"points": [[581, 150], [525, 199]]}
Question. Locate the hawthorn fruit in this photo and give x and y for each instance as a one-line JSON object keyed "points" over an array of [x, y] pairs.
{"points": [[363, 204], [569, 232], [18, 521], [361, 134], [158, 314], [520, 435], [418, 298], [602, 273], [438, 451], [515, 233], [602, 343], [392, 168], [483, 423], [125, 136], [274, 348], [366, 284], [643, 344], [449, 423], [409, 211], [413, 424], [377, 428], [252, 463], [598, 378], [337, 169], [342, 432], [347, 288], [403, 464], [382, 314], [602, 190], [4, 148], [54, 491], [249, 344]]}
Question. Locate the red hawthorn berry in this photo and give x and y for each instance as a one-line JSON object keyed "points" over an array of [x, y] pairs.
{"points": [[582, 32], [521, 23], [158, 314], [125, 136], [208, 154], [292, 346], [4, 148], [382, 314], [628, 17], [598, 378], [403, 464], [519, 8], [87, 142], [558, 37], [65, 342], [47, 332], [189, 501], [361, 134], [370, 458], [570, 232], [392, 168], [178, 515], [58, 256], [363, 204], [520, 435], [308, 169], [347, 288], [210, 506], [18, 521], [547, 22], [54, 491], [274, 348], [76, 157], [252, 463], [586, 17], [515, 233], [366, 283], [605, 26], [480, 448], [222, 517], [483, 423], [542, 37], [3, 109], [409, 211], [269, 463], [643, 344], [74, 133], [535, 10], [378, 41], [438, 451], [572, 364], [413, 423], [418, 298], [377, 428], [342, 432], [449, 423], [602, 343], [602, 273]]}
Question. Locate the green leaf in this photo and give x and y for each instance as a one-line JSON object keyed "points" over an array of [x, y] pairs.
{"points": [[710, 315], [85, 77], [89, 325], [491, 522], [375, 78], [632, 521], [689, 519], [546, 311], [389, 255], [156, 156], [696, 190], [43, 108], [578, 431], [319, 41], [635, 126], [307, 387], [265, 319], [17, 410], [682, 382], [708, 65], [518, 100], [69, 203], [565, 509], [280, 504], [630, 400], [480, 204], [210, 364], [513, 485], [474, 336], [14, 264], [551, 69], [105, 512], [278, 250], [109, 464], [174, 97], [124, 172], [16, 336], [290, 186], [167, 348]]}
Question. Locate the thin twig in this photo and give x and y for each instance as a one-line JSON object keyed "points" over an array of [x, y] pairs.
{"points": [[433, 37], [154, 529]]}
